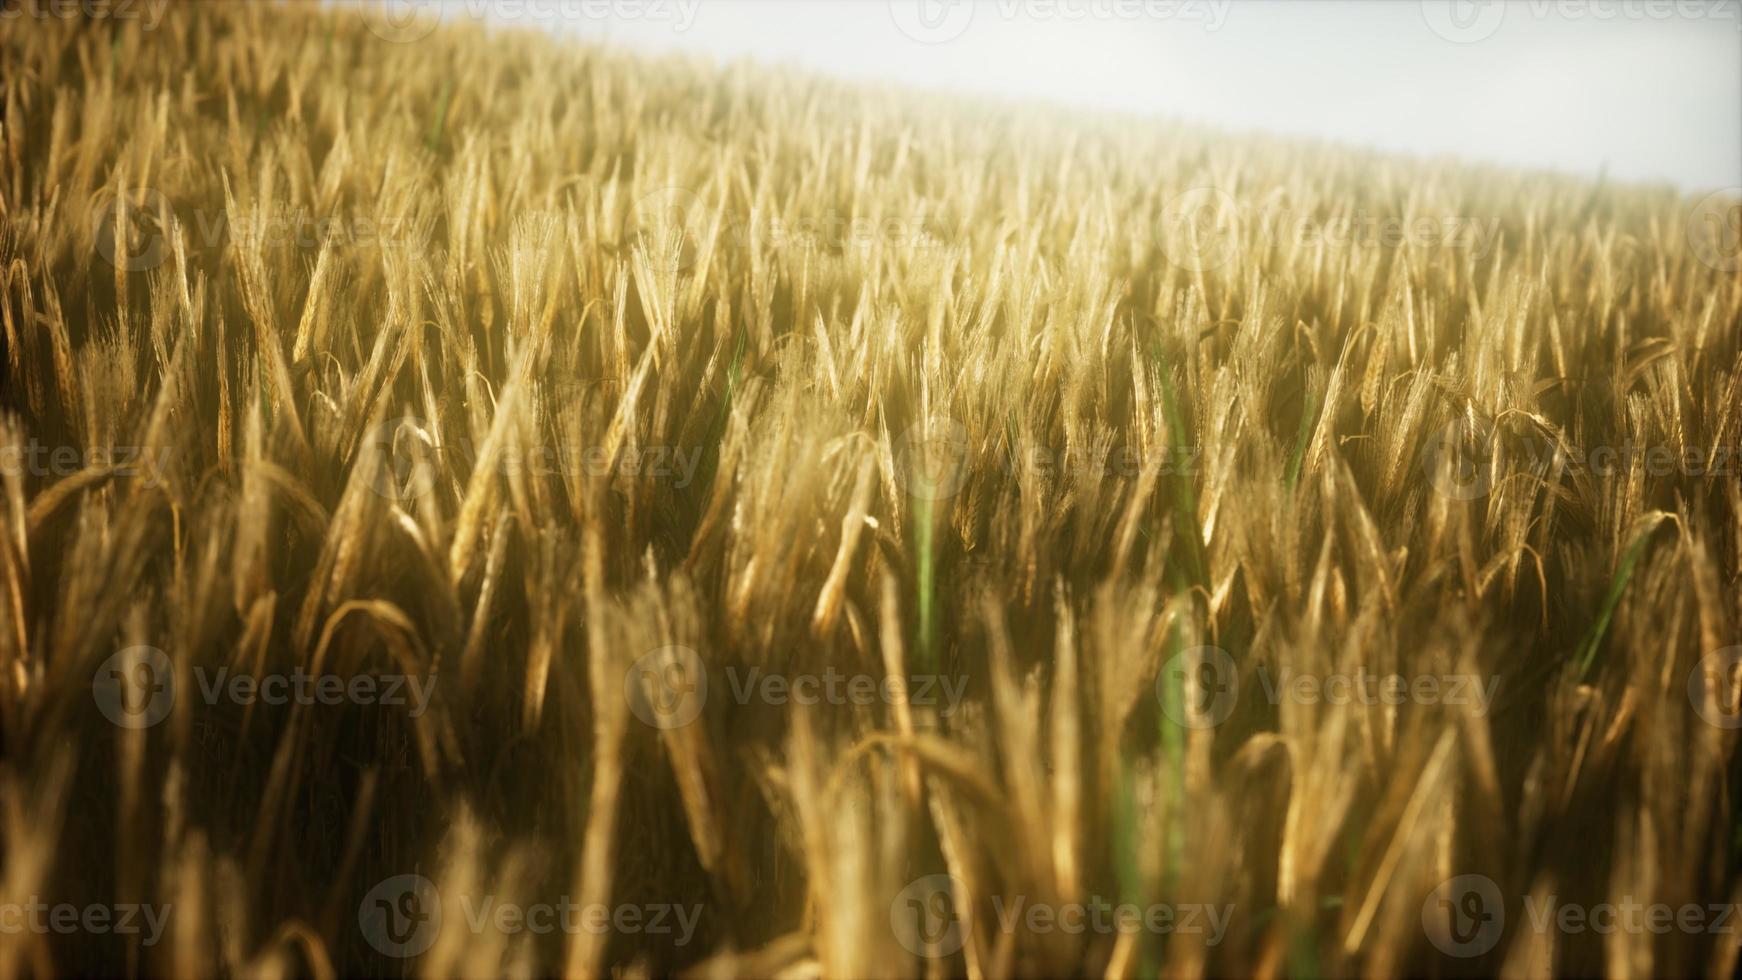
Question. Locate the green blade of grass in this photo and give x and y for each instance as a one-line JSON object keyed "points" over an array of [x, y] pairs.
{"points": [[1593, 641], [926, 581], [441, 113], [1185, 499], [1309, 413], [1125, 850], [1173, 752]]}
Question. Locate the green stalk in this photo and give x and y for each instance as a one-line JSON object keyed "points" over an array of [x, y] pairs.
{"points": [[922, 532], [1173, 751], [1593, 640], [1185, 498], [1309, 412], [1125, 836], [441, 116]]}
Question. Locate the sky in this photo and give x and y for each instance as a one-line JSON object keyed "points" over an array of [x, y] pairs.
{"points": [[1648, 90]]}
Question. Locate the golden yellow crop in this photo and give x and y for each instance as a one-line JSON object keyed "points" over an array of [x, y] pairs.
{"points": [[473, 504]]}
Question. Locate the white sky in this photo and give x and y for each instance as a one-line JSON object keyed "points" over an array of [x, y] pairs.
{"points": [[1651, 88]]}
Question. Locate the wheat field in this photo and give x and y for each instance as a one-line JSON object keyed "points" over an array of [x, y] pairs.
{"points": [[481, 505]]}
